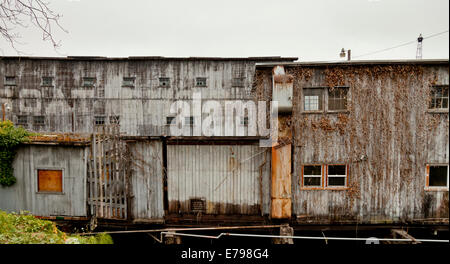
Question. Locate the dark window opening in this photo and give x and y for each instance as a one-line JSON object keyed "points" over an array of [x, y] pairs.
{"points": [[38, 120], [200, 82], [47, 81], [238, 82], [336, 175], [114, 119], [164, 82], [22, 120], [312, 175], [128, 81], [99, 120], [438, 176], [169, 120]]}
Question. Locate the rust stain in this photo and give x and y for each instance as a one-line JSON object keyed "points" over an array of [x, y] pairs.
{"points": [[281, 182]]}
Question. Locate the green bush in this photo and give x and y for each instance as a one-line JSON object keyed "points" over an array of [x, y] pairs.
{"points": [[10, 138], [24, 228]]}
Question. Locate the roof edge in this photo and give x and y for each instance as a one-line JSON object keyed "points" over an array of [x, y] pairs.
{"points": [[356, 62]]}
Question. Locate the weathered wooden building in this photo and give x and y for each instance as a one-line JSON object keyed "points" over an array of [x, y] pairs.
{"points": [[369, 138], [358, 142]]}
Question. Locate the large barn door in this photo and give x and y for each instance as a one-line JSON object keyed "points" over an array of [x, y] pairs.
{"points": [[108, 174]]}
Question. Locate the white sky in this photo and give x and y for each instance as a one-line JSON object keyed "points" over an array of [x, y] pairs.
{"points": [[310, 30]]}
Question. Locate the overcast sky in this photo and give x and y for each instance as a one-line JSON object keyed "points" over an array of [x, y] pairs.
{"points": [[310, 30]]}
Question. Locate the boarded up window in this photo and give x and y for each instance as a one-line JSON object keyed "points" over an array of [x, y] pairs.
{"points": [[439, 97], [313, 99], [437, 176], [336, 175], [337, 98], [197, 205], [312, 176], [50, 181]]}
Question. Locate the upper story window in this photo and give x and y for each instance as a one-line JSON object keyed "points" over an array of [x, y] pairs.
{"points": [[88, 81], [439, 98], [238, 82], [437, 176], [38, 120], [337, 98], [189, 120], [114, 119], [22, 120], [99, 120], [10, 80], [313, 99], [164, 82], [169, 120], [47, 81], [128, 81], [200, 82]]}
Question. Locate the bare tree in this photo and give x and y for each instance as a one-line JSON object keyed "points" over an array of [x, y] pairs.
{"points": [[16, 14]]}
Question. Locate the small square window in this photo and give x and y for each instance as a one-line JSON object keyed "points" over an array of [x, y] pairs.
{"points": [[128, 81], [164, 82], [312, 176], [10, 80], [313, 99], [337, 98], [47, 81], [336, 175], [88, 81], [115, 119], [200, 82], [99, 120], [50, 181], [38, 120], [437, 176], [169, 120], [238, 82], [439, 97], [22, 120]]}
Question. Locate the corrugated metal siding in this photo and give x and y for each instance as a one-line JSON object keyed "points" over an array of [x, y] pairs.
{"points": [[227, 176], [147, 180], [23, 194]]}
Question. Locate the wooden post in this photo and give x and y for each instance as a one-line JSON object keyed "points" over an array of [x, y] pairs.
{"points": [[285, 230]]}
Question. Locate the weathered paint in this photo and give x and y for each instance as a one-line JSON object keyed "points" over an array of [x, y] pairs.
{"points": [[282, 84], [281, 182], [232, 179], [388, 188], [146, 180], [69, 107], [24, 195]]}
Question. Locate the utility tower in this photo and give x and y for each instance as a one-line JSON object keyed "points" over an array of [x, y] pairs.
{"points": [[419, 47]]}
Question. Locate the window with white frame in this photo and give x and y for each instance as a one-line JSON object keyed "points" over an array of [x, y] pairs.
{"points": [[437, 175], [337, 175], [312, 175], [312, 99], [439, 97]]}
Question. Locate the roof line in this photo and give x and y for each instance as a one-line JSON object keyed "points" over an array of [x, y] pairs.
{"points": [[263, 58], [356, 62]]}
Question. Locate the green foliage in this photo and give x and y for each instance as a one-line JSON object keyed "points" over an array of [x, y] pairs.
{"points": [[10, 138], [24, 228]]}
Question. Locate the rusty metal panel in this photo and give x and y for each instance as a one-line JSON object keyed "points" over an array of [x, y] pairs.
{"points": [[281, 182], [229, 178], [282, 89], [50, 181]]}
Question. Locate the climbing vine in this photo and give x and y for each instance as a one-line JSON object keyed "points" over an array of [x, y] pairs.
{"points": [[10, 138]]}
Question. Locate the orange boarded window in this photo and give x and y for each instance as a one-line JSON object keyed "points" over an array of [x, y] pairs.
{"points": [[49, 180]]}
